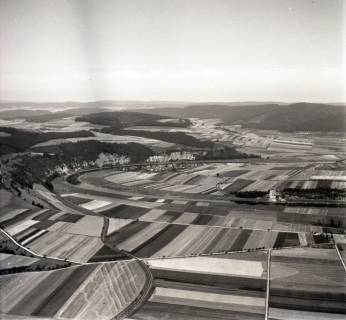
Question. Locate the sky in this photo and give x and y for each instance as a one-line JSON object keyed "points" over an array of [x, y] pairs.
{"points": [[178, 50]]}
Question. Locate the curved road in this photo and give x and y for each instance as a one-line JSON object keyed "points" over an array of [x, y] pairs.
{"points": [[148, 286]]}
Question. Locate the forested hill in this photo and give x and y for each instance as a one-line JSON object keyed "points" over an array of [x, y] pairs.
{"points": [[121, 119], [292, 117]]}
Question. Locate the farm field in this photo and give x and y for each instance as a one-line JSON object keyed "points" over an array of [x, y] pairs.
{"points": [[57, 234], [59, 125], [307, 279], [225, 219], [236, 178], [208, 288], [93, 291], [152, 239], [202, 253], [108, 138]]}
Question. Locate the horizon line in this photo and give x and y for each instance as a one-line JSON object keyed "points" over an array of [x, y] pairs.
{"points": [[166, 101]]}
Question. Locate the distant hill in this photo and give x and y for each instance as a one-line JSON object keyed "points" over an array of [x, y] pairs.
{"points": [[292, 117], [116, 123], [262, 115], [120, 118], [46, 115]]}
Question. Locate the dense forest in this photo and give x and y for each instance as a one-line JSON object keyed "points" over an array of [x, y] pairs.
{"points": [[19, 140], [35, 168], [116, 123]]}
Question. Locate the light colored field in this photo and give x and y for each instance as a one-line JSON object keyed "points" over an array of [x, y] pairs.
{"points": [[113, 202], [15, 287], [312, 253], [211, 266], [186, 218], [108, 138], [10, 260], [88, 226], [78, 248], [208, 300], [20, 226], [182, 242], [11, 214], [259, 239], [336, 178], [59, 125], [106, 292], [152, 215], [95, 204], [142, 236], [135, 198], [60, 226], [34, 236], [116, 224], [108, 289]]}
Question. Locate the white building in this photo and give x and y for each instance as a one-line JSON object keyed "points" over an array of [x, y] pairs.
{"points": [[105, 159]]}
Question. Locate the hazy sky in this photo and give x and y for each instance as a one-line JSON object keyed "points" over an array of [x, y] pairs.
{"points": [[196, 50]]}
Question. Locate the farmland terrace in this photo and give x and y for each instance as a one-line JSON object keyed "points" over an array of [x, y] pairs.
{"points": [[184, 240], [181, 236]]}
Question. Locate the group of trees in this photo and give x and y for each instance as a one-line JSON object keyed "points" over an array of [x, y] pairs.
{"points": [[19, 140], [318, 193], [224, 153]]}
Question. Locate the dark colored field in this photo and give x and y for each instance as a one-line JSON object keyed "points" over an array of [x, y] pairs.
{"points": [[45, 215], [303, 292], [202, 219], [241, 240], [36, 299], [149, 199], [54, 301], [180, 208], [44, 224], [25, 234], [212, 210], [286, 239], [311, 284], [151, 240], [203, 288], [324, 184], [126, 232], [163, 311], [234, 173], [225, 243], [169, 216], [70, 217], [76, 200], [221, 235], [305, 260], [36, 237], [160, 241], [224, 282], [125, 212], [106, 254], [309, 303], [238, 185], [17, 218]]}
